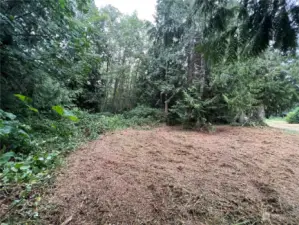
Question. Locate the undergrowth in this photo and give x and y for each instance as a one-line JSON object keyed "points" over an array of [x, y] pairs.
{"points": [[293, 116], [32, 148]]}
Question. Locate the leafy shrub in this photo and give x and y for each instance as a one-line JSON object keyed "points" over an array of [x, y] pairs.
{"points": [[46, 128], [14, 135], [65, 113], [31, 169], [293, 117], [91, 125], [107, 122], [191, 111], [142, 111], [51, 137]]}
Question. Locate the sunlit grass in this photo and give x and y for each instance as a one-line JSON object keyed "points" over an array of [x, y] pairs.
{"points": [[275, 119]]}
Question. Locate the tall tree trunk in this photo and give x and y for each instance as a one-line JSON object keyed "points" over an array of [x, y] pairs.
{"points": [[261, 112], [202, 75], [200, 72], [190, 62], [165, 99], [166, 105], [114, 93]]}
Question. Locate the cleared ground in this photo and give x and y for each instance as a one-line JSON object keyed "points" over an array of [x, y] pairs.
{"points": [[171, 176]]}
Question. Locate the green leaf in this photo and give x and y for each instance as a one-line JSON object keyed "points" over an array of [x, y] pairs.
{"points": [[5, 130], [14, 169], [23, 98], [62, 3], [23, 133], [24, 167], [18, 165], [6, 157], [70, 116], [225, 98], [10, 115], [65, 113], [73, 118], [33, 109], [59, 109]]}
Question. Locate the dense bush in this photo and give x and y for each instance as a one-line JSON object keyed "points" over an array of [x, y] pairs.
{"points": [[31, 148], [293, 117], [50, 137], [14, 135], [142, 111], [192, 111]]}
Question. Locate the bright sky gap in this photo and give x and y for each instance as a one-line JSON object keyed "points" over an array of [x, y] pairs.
{"points": [[145, 8]]}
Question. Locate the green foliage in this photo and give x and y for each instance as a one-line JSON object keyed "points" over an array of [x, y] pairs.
{"points": [[185, 39], [26, 100], [65, 113], [293, 117], [143, 111], [268, 81], [14, 135], [192, 111], [242, 93], [103, 122], [53, 138], [32, 57], [100, 123], [23, 98], [241, 29], [27, 161], [30, 169]]}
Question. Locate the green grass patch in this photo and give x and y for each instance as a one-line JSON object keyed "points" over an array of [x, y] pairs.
{"points": [[275, 119]]}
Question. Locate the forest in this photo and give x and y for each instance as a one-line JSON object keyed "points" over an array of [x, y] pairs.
{"points": [[71, 72]]}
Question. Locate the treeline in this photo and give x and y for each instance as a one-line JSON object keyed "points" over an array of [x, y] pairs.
{"points": [[219, 57], [222, 61], [70, 53]]}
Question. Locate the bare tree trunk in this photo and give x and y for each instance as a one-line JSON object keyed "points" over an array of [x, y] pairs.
{"points": [[261, 112], [242, 118], [166, 105], [114, 92], [165, 99], [190, 62], [200, 71], [202, 75]]}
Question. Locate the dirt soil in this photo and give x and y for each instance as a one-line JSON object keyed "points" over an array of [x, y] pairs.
{"points": [[171, 176]]}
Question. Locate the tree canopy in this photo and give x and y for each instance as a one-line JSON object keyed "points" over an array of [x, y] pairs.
{"points": [[70, 53]]}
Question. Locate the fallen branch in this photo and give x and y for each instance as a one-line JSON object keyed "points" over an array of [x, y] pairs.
{"points": [[67, 220]]}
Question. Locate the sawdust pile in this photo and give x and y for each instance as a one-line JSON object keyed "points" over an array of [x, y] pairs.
{"points": [[171, 176]]}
